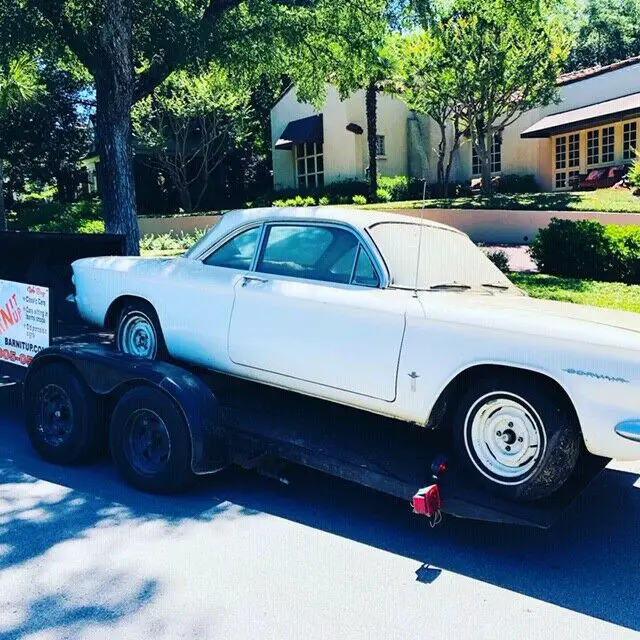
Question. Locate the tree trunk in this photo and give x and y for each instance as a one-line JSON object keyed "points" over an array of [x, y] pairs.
{"points": [[372, 134], [114, 98], [486, 164], [3, 216], [440, 172]]}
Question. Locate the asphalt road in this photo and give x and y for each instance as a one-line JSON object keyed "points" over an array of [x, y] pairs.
{"points": [[239, 556]]}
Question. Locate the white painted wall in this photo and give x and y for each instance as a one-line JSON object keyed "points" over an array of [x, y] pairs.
{"points": [[346, 156]]}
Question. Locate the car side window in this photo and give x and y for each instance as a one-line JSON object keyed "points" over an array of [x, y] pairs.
{"points": [[308, 251], [237, 253], [365, 274]]}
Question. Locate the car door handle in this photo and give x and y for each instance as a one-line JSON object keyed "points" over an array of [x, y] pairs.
{"points": [[247, 279]]}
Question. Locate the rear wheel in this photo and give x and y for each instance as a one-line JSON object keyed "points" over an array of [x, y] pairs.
{"points": [[517, 436], [62, 415], [150, 441], [139, 333]]}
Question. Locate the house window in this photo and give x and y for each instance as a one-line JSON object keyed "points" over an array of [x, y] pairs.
{"points": [[574, 151], [561, 152], [607, 144], [496, 157], [593, 147], [629, 140], [567, 156], [380, 148], [310, 165]]}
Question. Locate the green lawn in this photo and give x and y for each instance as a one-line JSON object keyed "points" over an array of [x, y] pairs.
{"points": [[604, 200], [614, 295]]}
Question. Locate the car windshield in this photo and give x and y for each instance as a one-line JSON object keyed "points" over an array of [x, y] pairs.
{"points": [[448, 260]]}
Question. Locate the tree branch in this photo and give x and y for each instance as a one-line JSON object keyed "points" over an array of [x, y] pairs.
{"points": [[53, 11]]}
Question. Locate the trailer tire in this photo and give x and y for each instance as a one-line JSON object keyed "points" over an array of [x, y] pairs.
{"points": [[150, 441], [517, 436], [62, 415]]}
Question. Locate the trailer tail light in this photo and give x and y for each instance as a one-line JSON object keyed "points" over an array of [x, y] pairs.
{"points": [[427, 501]]}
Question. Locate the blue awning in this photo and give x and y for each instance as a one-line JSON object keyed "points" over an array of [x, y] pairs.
{"points": [[298, 131]]}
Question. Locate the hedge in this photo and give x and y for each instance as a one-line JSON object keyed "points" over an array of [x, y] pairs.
{"points": [[587, 249]]}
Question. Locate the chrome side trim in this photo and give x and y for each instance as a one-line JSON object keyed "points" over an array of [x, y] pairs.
{"points": [[629, 429]]}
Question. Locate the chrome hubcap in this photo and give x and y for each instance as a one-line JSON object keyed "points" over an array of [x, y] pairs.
{"points": [[138, 337], [504, 437]]}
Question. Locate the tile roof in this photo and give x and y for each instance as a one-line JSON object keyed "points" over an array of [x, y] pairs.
{"points": [[583, 74]]}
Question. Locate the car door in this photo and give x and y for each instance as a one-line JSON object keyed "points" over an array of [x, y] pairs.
{"points": [[313, 311], [199, 299]]}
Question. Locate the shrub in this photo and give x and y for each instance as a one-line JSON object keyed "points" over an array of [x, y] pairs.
{"points": [[500, 259], [514, 183], [279, 203], [309, 201], [172, 241], [55, 216], [382, 195], [401, 187], [633, 175], [324, 201], [588, 249], [359, 199]]}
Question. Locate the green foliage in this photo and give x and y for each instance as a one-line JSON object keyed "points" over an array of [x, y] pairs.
{"points": [[323, 201], [401, 187], [298, 201], [481, 64], [55, 216], [188, 125], [633, 175], [44, 140], [359, 200], [382, 195], [607, 32], [180, 241], [18, 83], [614, 295], [500, 259], [588, 249]]}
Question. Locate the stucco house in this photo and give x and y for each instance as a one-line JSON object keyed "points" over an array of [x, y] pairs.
{"points": [[594, 124]]}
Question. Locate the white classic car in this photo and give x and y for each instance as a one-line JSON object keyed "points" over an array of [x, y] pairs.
{"points": [[392, 315]]}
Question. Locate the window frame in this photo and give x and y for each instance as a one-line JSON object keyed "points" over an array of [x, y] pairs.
{"points": [[362, 246], [495, 155], [628, 150], [229, 237], [305, 157]]}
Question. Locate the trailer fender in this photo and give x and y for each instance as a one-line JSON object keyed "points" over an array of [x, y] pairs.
{"points": [[106, 372]]}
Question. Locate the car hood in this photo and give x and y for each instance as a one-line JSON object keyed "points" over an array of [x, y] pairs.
{"points": [[545, 318]]}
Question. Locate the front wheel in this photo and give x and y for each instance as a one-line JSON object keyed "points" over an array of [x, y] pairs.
{"points": [[139, 333], [517, 436]]}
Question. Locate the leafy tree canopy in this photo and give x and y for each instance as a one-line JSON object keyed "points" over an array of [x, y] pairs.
{"points": [[608, 31]]}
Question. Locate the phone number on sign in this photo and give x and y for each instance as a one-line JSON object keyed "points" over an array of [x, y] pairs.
{"points": [[12, 356]]}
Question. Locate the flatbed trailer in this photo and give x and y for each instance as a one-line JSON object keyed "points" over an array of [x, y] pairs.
{"points": [[237, 422]]}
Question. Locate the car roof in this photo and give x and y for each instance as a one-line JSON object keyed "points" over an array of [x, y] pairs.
{"points": [[358, 218]]}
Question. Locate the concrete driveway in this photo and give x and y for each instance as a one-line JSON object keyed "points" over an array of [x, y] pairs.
{"points": [[83, 556]]}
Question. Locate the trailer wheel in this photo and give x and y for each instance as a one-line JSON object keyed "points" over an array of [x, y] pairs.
{"points": [[62, 416], [139, 333], [150, 441], [516, 436]]}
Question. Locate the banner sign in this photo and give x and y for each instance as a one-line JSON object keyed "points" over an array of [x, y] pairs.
{"points": [[24, 321]]}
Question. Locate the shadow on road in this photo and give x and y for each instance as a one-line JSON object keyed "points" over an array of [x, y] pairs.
{"points": [[589, 562]]}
